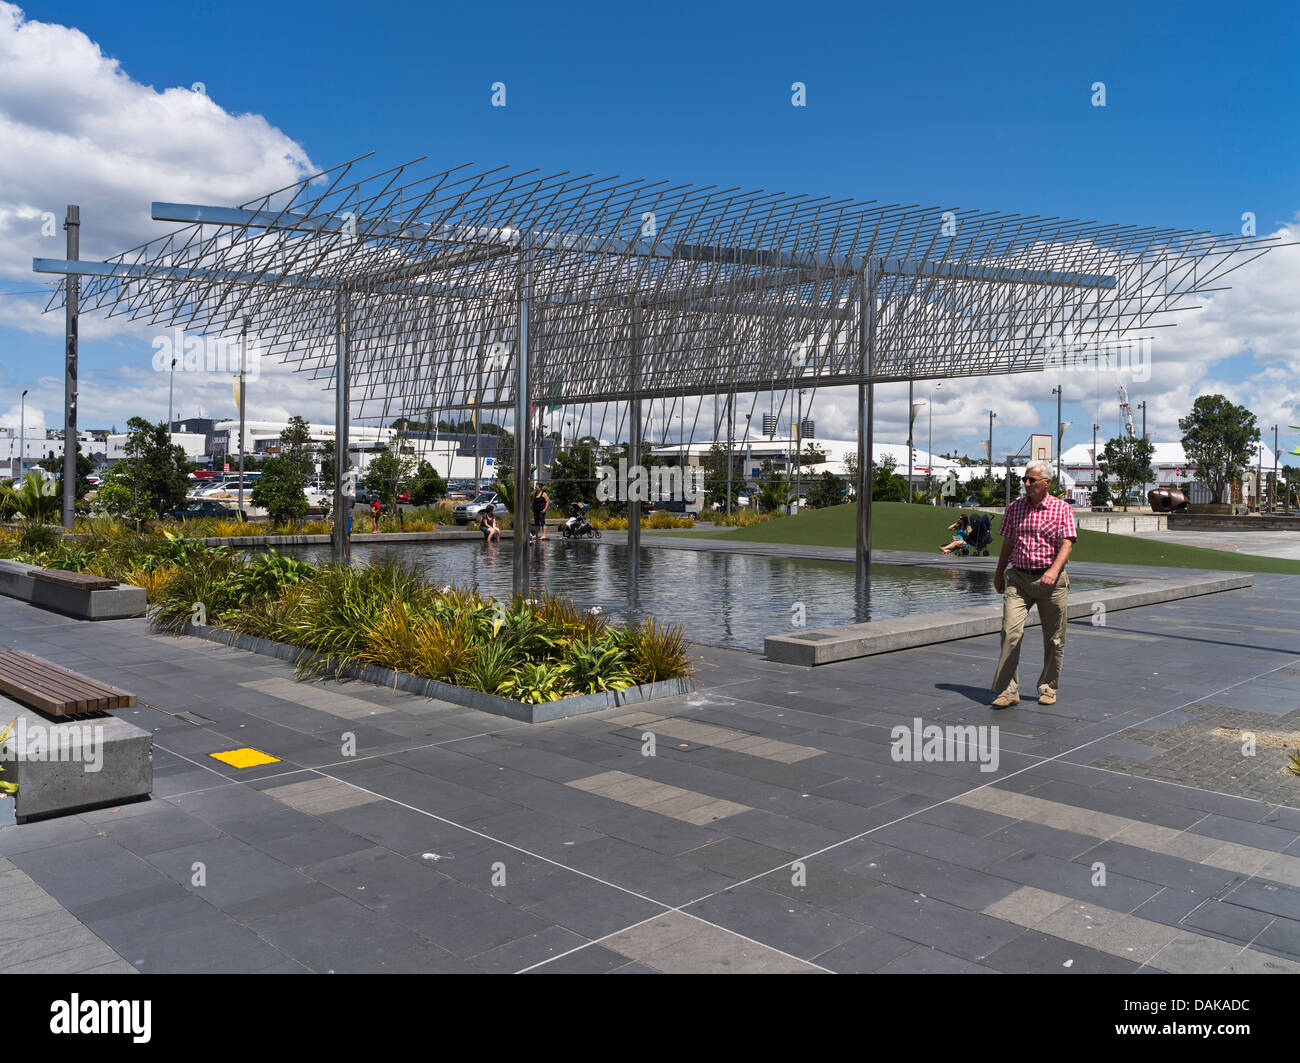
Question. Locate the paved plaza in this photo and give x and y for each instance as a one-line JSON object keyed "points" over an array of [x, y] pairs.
{"points": [[771, 831]]}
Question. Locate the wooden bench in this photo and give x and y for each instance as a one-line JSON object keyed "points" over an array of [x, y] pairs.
{"points": [[56, 690], [81, 580]]}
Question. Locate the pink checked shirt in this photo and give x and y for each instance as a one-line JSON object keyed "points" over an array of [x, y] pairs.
{"points": [[1038, 531]]}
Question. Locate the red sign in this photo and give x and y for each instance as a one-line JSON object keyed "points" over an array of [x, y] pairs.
{"points": [[227, 466]]}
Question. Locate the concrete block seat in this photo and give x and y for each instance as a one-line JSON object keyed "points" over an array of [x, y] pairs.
{"points": [[68, 752], [74, 594]]}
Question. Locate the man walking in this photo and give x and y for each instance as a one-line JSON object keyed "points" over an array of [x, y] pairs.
{"points": [[1038, 533]]}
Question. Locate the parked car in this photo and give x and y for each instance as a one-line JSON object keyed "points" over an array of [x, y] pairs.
{"points": [[467, 512], [690, 509], [970, 503], [203, 508], [404, 498]]}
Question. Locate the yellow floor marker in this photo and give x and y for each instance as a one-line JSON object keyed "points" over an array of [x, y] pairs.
{"points": [[245, 758]]}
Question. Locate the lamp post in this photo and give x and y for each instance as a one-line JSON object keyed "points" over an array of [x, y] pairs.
{"points": [[22, 438], [1095, 426], [1057, 464], [991, 416], [1275, 453]]}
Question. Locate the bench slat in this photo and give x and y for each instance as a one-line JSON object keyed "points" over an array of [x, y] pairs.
{"points": [[82, 580], [54, 678], [56, 690]]}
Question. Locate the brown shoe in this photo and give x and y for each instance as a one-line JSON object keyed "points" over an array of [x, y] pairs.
{"points": [[1047, 697], [1005, 701]]}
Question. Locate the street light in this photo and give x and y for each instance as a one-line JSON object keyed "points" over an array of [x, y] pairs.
{"points": [[1059, 432], [1094, 457], [22, 438]]}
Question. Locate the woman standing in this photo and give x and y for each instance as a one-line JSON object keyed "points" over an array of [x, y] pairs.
{"points": [[541, 503]]}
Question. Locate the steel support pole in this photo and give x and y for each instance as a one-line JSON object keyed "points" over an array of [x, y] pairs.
{"points": [[910, 420], [1273, 500], [342, 543], [243, 402], [478, 426], [71, 310], [730, 399], [866, 424], [22, 440], [523, 429], [1056, 464], [634, 452]]}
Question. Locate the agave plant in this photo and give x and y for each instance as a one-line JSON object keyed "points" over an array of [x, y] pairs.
{"points": [[598, 665], [489, 670], [5, 732], [536, 683]]}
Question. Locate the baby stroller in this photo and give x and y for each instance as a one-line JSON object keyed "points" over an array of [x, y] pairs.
{"points": [[979, 537], [578, 526]]}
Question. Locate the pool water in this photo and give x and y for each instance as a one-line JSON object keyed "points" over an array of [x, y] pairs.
{"points": [[720, 599]]}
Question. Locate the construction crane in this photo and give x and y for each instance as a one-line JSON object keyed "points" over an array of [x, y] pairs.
{"points": [[1125, 410]]}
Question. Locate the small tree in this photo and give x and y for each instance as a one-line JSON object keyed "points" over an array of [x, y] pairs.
{"points": [[715, 477], [383, 475], [427, 486], [1100, 495], [279, 490], [571, 479], [151, 479], [1128, 460], [1219, 437], [298, 449], [827, 490]]}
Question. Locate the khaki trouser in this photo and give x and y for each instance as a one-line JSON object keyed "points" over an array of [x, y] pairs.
{"points": [[1022, 594]]}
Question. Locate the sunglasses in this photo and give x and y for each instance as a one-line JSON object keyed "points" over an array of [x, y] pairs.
{"points": [[1034, 479]]}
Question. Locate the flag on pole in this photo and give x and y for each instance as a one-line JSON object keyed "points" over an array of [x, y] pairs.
{"points": [[917, 407]]}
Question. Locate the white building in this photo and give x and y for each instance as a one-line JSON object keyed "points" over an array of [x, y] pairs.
{"points": [[1171, 465]]}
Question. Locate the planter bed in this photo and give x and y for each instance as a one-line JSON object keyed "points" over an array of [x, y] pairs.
{"points": [[527, 712]]}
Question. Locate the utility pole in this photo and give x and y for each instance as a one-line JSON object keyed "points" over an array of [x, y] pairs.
{"points": [[1095, 426], [1275, 453], [71, 311], [1057, 463], [911, 418], [991, 416], [22, 439], [243, 358]]}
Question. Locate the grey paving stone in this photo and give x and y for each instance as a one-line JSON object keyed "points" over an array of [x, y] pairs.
{"points": [[1036, 837], [1258, 835], [823, 885], [61, 870], [1036, 953], [1228, 921], [164, 828], [782, 832], [231, 871], [461, 919], [961, 886], [1263, 896], [44, 833], [1281, 937], [1135, 862], [867, 952], [925, 960], [953, 847], [1121, 893], [593, 910], [929, 921], [738, 858], [325, 841], [793, 927], [376, 877], [593, 960], [342, 936], [545, 945]]}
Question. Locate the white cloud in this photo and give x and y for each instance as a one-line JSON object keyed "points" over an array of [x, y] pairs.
{"points": [[76, 128]]}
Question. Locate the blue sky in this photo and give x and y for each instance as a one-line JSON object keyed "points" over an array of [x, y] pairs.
{"points": [[959, 105]]}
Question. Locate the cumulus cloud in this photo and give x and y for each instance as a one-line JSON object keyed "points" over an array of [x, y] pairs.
{"points": [[77, 128]]}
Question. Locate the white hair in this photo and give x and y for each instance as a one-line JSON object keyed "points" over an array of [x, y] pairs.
{"points": [[1045, 467]]}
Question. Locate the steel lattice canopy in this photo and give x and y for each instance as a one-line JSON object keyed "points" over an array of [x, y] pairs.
{"points": [[704, 290]]}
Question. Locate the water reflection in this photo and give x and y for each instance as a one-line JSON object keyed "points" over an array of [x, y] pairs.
{"points": [[721, 599]]}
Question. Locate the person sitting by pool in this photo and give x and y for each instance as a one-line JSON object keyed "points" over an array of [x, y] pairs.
{"points": [[960, 530], [487, 523]]}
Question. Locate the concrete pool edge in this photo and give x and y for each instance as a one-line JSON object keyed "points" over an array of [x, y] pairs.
{"points": [[850, 641], [524, 712]]}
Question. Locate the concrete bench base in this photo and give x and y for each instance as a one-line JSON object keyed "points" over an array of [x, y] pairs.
{"points": [[827, 645], [69, 765], [114, 603]]}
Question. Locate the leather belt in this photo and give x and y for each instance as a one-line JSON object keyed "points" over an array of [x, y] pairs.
{"points": [[1031, 571]]}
